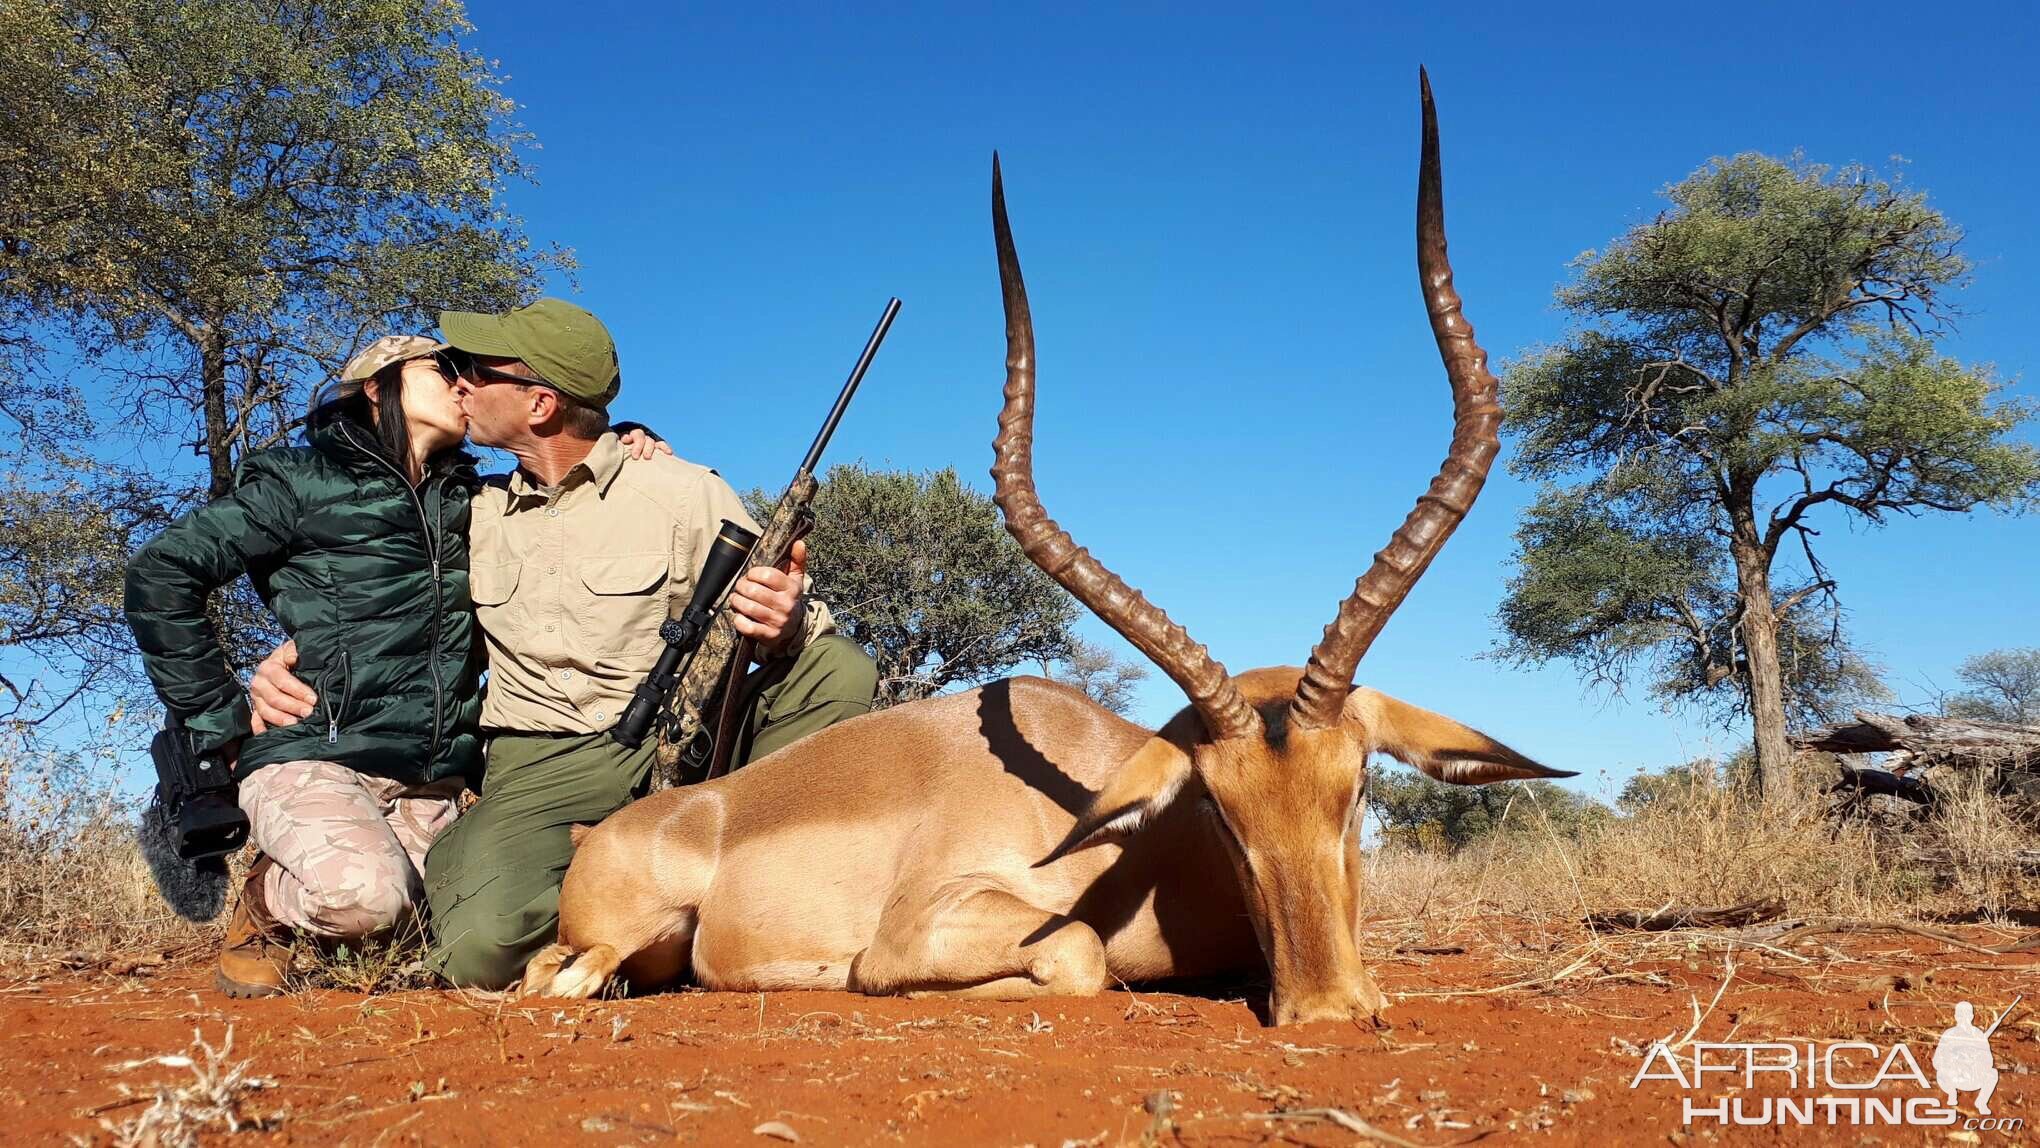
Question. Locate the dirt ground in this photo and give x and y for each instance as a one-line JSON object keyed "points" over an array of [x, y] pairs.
{"points": [[1528, 1037]]}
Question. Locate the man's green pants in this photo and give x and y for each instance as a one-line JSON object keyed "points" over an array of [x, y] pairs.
{"points": [[493, 878]]}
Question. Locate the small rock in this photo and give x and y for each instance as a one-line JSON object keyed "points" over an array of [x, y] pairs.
{"points": [[598, 1124], [778, 1131]]}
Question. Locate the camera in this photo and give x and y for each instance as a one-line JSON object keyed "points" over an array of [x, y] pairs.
{"points": [[197, 794]]}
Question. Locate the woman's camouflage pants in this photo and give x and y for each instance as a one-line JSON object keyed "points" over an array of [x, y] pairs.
{"points": [[349, 847]]}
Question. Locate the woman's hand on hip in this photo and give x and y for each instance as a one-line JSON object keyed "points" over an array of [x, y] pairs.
{"points": [[276, 697]]}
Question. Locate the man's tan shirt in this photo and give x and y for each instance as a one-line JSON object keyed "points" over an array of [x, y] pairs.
{"points": [[571, 583]]}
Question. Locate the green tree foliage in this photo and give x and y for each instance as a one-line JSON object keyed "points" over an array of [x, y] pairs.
{"points": [[1673, 787], [1759, 355], [205, 206], [235, 195], [919, 569], [1106, 679], [64, 545], [2004, 685], [1419, 813]]}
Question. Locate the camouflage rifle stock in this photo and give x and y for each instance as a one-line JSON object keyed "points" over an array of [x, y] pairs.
{"points": [[701, 716]]}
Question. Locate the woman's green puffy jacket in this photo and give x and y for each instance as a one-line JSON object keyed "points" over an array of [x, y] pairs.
{"points": [[368, 574]]}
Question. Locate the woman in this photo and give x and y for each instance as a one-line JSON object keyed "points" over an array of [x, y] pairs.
{"points": [[358, 542]]}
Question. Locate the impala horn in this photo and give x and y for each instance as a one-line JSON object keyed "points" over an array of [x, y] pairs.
{"points": [[1218, 701], [1476, 421]]}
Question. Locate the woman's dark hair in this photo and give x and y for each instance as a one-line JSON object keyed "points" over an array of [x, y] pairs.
{"points": [[388, 434]]}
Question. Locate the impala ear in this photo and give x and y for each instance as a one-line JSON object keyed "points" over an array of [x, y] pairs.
{"points": [[1142, 787], [1437, 745]]}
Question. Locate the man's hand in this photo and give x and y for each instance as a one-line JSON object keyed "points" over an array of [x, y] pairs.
{"points": [[640, 445], [765, 604], [275, 696]]}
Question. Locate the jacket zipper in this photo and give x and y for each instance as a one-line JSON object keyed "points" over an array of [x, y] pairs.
{"points": [[431, 552], [346, 668]]}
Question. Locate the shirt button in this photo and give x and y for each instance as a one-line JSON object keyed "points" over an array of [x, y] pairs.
{"points": [[548, 627], [565, 674], [600, 716], [552, 569], [552, 512]]}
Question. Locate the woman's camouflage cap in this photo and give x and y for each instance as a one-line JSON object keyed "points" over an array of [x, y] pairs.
{"points": [[385, 351]]}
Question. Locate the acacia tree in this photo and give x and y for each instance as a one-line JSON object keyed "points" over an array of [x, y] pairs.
{"points": [[1104, 678], [1759, 355], [918, 568], [229, 196], [1419, 813], [2004, 686], [205, 205]]}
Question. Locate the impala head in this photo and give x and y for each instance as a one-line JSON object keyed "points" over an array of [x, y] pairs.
{"points": [[1281, 753]]}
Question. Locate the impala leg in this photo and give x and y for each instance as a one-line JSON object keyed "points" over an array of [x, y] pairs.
{"points": [[979, 942]]}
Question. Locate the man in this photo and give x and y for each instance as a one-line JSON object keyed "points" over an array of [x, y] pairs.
{"points": [[577, 558]]}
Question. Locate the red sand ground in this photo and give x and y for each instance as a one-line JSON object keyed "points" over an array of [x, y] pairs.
{"points": [[1549, 1062]]}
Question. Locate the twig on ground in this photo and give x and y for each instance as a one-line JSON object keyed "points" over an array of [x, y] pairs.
{"points": [[1687, 917], [1343, 1119], [1700, 1017], [2030, 943], [1845, 925], [1534, 982]]}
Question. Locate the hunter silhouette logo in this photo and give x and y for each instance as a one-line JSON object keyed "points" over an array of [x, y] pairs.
{"points": [[1852, 1082], [1962, 1060]]}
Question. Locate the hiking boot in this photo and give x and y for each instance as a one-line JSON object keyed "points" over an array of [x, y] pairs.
{"points": [[254, 957]]}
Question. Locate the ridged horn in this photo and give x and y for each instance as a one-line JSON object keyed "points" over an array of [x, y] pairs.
{"points": [[1476, 422], [1218, 701]]}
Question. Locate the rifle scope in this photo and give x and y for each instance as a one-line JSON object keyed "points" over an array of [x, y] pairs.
{"points": [[683, 634]]}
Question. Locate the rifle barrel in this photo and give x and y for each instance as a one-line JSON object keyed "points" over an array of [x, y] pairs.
{"points": [[2001, 1016], [814, 454]]}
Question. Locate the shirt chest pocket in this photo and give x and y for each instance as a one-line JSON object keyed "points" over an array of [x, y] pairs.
{"points": [[491, 586], [621, 600]]}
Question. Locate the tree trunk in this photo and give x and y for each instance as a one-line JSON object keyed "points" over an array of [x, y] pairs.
{"points": [[1760, 642], [219, 446]]}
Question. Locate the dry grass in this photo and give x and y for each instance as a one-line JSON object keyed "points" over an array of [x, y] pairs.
{"points": [[380, 965], [213, 1099], [71, 877], [1711, 847], [72, 880], [73, 885]]}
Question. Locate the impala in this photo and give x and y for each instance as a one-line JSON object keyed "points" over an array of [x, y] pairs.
{"points": [[1020, 840]]}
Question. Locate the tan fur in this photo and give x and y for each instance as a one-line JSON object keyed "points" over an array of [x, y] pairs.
{"points": [[1020, 840], [902, 853]]}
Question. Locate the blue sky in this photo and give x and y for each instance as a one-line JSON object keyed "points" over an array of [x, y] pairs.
{"points": [[1239, 397]]}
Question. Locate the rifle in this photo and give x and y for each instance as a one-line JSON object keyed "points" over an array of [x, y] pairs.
{"points": [[2001, 1016], [690, 747]]}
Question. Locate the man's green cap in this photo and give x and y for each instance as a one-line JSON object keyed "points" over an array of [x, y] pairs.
{"points": [[568, 347]]}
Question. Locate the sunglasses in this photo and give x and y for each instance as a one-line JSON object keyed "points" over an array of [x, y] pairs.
{"points": [[445, 366], [478, 373]]}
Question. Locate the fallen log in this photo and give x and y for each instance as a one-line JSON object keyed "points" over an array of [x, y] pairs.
{"points": [[1688, 917], [1932, 740], [1883, 783]]}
